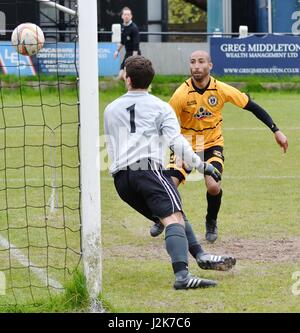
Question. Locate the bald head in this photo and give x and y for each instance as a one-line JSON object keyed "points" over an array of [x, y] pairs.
{"points": [[200, 67], [201, 54]]}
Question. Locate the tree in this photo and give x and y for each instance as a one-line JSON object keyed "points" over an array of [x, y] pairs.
{"points": [[202, 4], [185, 12]]}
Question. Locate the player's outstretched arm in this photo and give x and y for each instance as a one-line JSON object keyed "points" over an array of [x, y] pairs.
{"points": [[282, 140], [263, 116]]}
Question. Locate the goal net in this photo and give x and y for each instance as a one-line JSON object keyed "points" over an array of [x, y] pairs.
{"points": [[40, 160]]}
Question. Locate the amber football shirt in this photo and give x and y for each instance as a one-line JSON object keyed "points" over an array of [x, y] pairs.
{"points": [[200, 115]]}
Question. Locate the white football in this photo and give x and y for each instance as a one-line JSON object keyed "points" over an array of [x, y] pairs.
{"points": [[28, 39]]}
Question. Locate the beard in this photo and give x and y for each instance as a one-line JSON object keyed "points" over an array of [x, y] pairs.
{"points": [[198, 76]]}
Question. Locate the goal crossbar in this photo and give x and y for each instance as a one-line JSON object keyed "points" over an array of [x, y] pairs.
{"points": [[58, 6]]}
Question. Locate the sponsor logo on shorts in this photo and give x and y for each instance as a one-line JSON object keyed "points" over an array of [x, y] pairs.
{"points": [[218, 154]]}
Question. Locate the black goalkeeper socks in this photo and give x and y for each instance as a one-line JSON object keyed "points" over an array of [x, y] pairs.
{"points": [[213, 205]]}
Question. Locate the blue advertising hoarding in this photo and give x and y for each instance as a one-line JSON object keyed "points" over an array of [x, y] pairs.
{"points": [[13, 63], [268, 55], [55, 59]]}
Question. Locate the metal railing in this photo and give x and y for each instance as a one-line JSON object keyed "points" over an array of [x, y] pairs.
{"points": [[171, 33], [167, 33]]}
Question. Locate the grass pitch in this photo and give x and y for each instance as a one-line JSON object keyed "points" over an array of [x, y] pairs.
{"points": [[258, 222]]}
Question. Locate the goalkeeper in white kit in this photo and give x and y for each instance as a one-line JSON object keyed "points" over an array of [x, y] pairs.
{"points": [[139, 127]]}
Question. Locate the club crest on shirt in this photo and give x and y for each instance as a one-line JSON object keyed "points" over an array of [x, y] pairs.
{"points": [[212, 100], [202, 113]]}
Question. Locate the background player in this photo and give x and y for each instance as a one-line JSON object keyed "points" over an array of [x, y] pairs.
{"points": [[130, 39]]}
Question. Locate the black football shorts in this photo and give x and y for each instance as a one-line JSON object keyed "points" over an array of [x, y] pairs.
{"points": [[151, 192]]}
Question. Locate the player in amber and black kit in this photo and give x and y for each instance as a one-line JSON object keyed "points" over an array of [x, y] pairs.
{"points": [[130, 39], [198, 104]]}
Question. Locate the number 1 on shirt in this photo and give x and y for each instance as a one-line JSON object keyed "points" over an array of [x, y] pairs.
{"points": [[131, 110]]}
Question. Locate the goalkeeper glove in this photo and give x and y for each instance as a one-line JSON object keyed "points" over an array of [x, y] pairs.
{"points": [[209, 170]]}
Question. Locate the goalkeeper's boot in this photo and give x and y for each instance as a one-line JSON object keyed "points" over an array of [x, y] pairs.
{"points": [[193, 282], [218, 263], [156, 229], [211, 234]]}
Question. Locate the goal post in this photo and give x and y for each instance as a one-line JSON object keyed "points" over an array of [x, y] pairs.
{"points": [[90, 145]]}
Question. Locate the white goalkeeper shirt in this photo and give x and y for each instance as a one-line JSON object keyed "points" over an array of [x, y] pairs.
{"points": [[141, 126]]}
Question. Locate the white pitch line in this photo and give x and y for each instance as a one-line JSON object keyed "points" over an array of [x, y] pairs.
{"points": [[39, 272], [260, 177], [35, 179], [257, 129], [236, 177], [224, 177]]}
